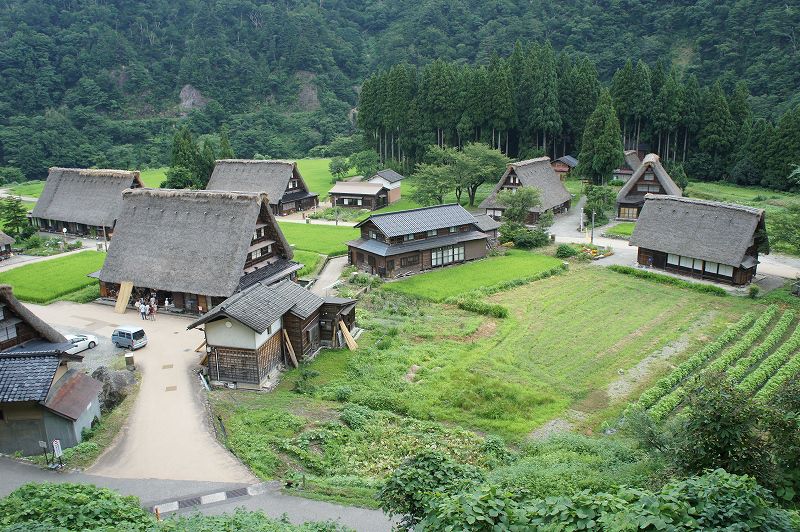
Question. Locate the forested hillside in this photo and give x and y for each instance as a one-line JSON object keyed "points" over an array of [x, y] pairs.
{"points": [[101, 83]]}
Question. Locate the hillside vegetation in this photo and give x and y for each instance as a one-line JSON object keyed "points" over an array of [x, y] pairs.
{"points": [[103, 84]]}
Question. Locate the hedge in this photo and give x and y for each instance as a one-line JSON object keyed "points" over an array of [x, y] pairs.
{"points": [[666, 279]]}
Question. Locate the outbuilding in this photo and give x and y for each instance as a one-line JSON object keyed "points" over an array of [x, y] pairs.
{"points": [[650, 178], [391, 180], [699, 238], [630, 163], [359, 195]]}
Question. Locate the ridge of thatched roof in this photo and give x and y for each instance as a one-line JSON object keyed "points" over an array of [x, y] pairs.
{"points": [[47, 332], [192, 241], [632, 160], [653, 162], [701, 229], [536, 173], [255, 175], [84, 195]]}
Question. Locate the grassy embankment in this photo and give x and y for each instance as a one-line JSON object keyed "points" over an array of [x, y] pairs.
{"points": [[60, 278]]}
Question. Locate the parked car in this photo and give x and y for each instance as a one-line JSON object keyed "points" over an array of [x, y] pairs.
{"points": [[81, 342], [129, 336]]}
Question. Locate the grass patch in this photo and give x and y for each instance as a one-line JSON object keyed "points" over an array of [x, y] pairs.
{"points": [[32, 188], [622, 229], [323, 239], [317, 176], [153, 177], [668, 279], [455, 280], [574, 186], [311, 262], [45, 281]]}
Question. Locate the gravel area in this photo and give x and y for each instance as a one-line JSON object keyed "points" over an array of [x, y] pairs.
{"points": [[104, 354]]}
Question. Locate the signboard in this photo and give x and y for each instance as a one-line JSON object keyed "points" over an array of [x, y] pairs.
{"points": [[57, 452], [42, 444]]}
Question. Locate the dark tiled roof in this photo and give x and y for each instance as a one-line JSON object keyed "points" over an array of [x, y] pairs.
{"points": [[40, 347], [390, 175], [706, 230], [420, 220], [535, 173], [383, 249], [272, 272], [86, 196], [259, 305], [297, 195], [486, 223], [569, 160], [26, 378], [71, 395]]}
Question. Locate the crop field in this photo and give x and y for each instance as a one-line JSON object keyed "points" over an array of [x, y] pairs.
{"points": [[319, 238], [46, 281], [153, 177], [455, 280], [310, 261], [759, 354]]}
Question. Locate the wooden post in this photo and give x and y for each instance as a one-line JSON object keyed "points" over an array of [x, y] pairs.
{"points": [[125, 289], [348, 338], [290, 348]]}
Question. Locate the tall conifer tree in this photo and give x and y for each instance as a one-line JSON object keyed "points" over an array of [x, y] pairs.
{"points": [[601, 149]]}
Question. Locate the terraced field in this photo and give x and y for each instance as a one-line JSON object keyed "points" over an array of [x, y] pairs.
{"points": [[758, 354]]}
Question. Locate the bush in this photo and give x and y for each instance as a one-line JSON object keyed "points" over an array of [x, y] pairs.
{"points": [[356, 416], [666, 279], [303, 385], [486, 309], [617, 183], [526, 239], [73, 507], [752, 291], [411, 487], [565, 251]]}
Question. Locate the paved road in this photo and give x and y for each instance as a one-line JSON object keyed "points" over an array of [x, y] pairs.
{"points": [[328, 276], [167, 435]]}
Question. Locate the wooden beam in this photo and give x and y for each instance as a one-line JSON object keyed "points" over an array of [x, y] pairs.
{"points": [[290, 348], [199, 347], [348, 338], [124, 294]]}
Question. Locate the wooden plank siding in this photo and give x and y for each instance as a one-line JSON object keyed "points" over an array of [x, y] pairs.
{"points": [[740, 276], [299, 331]]}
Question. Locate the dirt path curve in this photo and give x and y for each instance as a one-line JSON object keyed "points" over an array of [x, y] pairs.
{"points": [[328, 276], [4, 193], [167, 435]]}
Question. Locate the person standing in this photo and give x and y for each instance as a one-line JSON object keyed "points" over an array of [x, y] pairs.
{"points": [[143, 310]]}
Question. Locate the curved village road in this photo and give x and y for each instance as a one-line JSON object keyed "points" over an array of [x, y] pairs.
{"points": [[167, 436]]}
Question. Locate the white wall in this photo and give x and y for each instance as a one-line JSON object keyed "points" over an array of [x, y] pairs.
{"points": [[238, 334], [382, 181]]}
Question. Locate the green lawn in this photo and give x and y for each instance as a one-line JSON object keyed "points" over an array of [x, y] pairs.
{"points": [[622, 229], [310, 261], [753, 196], [29, 188], [46, 281], [153, 177], [322, 239], [452, 281]]}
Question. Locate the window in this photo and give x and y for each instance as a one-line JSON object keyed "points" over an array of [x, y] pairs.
{"points": [[293, 184], [649, 176], [447, 255], [407, 238], [687, 262], [726, 270], [453, 229], [711, 267], [673, 259], [431, 232], [409, 261], [359, 201], [648, 188], [373, 235], [138, 335], [345, 201], [8, 333], [629, 212], [255, 254]]}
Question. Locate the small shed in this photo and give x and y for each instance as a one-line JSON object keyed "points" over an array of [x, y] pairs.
{"points": [[359, 195], [391, 180], [5, 245], [564, 165]]}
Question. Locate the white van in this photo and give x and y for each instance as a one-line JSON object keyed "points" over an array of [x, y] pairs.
{"points": [[129, 336]]}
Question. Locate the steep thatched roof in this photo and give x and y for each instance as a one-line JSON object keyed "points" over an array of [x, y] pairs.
{"points": [[628, 194], [5, 239], [259, 305], [44, 330], [632, 160], [85, 196], [251, 175], [707, 230], [186, 240], [536, 173]]}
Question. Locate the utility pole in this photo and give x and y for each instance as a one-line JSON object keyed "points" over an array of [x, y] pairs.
{"points": [[592, 240]]}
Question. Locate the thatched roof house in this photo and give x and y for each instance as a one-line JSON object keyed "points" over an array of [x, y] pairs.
{"points": [[279, 180], [191, 246], [707, 239], [650, 178], [81, 199], [536, 173], [5, 244]]}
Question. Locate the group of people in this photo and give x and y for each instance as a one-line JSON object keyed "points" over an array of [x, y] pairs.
{"points": [[147, 310]]}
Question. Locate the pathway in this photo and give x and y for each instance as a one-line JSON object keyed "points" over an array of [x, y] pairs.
{"points": [[167, 435], [329, 275], [4, 193]]}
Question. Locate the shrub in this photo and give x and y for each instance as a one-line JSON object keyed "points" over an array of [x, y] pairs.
{"points": [[410, 488], [342, 393], [565, 251], [616, 183], [753, 290], [356, 416], [530, 239], [73, 507], [303, 385], [666, 279]]}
